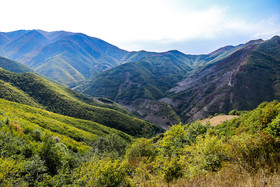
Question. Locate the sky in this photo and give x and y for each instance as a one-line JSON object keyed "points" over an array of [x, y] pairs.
{"points": [[190, 26]]}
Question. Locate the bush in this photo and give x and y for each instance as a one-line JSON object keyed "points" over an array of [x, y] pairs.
{"points": [[195, 129], [274, 128], [173, 140], [54, 154], [104, 172], [206, 155], [111, 145], [256, 151], [173, 171], [139, 149]]}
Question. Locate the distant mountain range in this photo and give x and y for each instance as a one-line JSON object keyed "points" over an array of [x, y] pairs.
{"points": [[68, 58], [166, 89], [71, 58], [163, 88]]}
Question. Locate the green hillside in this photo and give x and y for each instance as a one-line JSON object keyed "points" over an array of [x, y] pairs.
{"points": [[139, 86], [13, 66], [31, 89], [148, 78], [37, 145], [40, 148]]}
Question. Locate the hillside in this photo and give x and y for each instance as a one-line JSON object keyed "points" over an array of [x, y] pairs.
{"points": [[66, 57], [37, 144], [165, 88], [240, 81], [33, 90], [13, 66], [40, 148], [138, 86]]}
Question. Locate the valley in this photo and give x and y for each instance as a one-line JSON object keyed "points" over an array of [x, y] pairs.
{"points": [[76, 110], [162, 88]]}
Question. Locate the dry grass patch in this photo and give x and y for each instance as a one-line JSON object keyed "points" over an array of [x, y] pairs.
{"points": [[214, 121]]}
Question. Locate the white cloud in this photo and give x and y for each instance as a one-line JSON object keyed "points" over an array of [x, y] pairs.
{"points": [[133, 24]]}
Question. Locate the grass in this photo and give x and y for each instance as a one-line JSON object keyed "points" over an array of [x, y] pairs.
{"points": [[217, 120]]}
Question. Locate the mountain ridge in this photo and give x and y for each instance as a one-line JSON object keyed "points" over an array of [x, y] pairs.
{"points": [[85, 55], [31, 89], [211, 75]]}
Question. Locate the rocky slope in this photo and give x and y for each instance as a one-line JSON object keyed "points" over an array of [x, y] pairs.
{"points": [[240, 81]]}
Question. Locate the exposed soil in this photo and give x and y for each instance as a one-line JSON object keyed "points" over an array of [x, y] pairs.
{"points": [[218, 119]]}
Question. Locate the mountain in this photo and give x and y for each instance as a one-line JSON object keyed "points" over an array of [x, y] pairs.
{"points": [[165, 88], [240, 81], [24, 44], [73, 58], [33, 90], [139, 85], [68, 58]]}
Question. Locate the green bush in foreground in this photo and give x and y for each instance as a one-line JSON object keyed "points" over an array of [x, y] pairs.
{"points": [[185, 155]]}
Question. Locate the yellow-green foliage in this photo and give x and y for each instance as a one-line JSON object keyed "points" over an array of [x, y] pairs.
{"points": [[103, 172], [74, 131], [9, 169], [38, 147], [184, 155], [33, 90]]}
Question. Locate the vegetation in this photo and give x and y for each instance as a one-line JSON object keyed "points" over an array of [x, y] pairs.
{"points": [[35, 152], [68, 58], [13, 66], [37, 146], [33, 90], [148, 78], [230, 82]]}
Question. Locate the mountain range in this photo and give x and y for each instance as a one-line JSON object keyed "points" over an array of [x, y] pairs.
{"points": [[71, 58], [78, 111], [166, 89], [163, 88]]}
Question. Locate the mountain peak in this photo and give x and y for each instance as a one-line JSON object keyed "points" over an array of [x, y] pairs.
{"points": [[275, 38], [222, 49], [253, 42]]}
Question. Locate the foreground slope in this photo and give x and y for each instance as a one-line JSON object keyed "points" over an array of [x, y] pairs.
{"points": [[36, 145], [39, 148], [31, 89], [81, 132]]}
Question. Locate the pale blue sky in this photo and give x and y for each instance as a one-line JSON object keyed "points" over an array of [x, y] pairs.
{"points": [[191, 26]]}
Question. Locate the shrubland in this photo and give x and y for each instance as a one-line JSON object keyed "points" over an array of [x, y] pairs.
{"points": [[239, 152]]}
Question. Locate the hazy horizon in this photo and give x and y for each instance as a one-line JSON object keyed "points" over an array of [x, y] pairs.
{"points": [[192, 27]]}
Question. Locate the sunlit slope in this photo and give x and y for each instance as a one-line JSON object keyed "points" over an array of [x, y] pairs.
{"points": [[28, 88]]}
